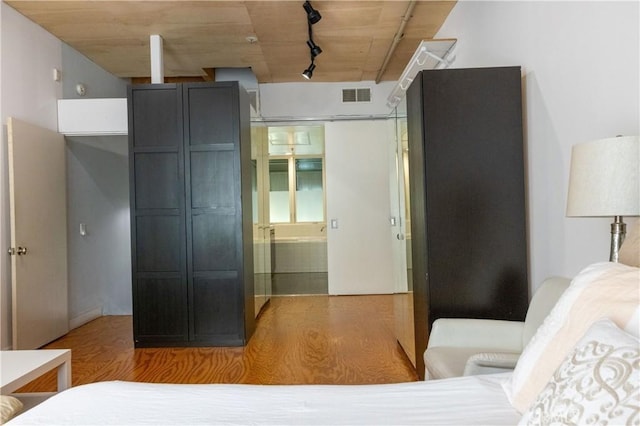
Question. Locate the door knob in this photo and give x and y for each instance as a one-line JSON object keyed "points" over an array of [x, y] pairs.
{"points": [[19, 251]]}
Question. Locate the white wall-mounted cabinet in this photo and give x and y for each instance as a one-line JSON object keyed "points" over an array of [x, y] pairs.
{"points": [[92, 117]]}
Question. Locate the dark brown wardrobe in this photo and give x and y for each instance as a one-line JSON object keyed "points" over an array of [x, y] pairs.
{"points": [[191, 224], [468, 220]]}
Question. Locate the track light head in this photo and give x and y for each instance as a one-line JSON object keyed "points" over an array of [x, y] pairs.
{"points": [[312, 15], [308, 73], [315, 49]]}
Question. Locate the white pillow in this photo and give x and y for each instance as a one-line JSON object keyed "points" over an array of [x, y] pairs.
{"points": [[598, 383], [602, 290]]}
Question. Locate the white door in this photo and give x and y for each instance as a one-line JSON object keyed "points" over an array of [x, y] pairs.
{"points": [[359, 251], [37, 180]]}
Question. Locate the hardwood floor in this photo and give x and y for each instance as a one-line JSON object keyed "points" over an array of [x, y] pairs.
{"points": [[298, 340]]}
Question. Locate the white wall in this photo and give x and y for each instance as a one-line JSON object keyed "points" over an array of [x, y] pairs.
{"points": [[99, 83], [359, 253], [100, 261], [98, 196], [28, 93], [580, 64], [322, 100]]}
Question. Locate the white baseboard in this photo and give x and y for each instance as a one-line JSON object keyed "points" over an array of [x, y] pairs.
{"points": [[85, 317]]}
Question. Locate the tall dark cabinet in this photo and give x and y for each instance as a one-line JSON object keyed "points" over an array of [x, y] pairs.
{"points": [[468, 221], [191, 224]]}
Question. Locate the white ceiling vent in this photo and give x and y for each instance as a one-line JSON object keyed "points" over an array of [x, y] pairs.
{"points": [[356, 95]]}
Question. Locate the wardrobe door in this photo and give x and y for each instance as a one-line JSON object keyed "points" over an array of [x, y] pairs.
{"points": [[158, 248], [214, 213], [465, 130], [474, 176]]}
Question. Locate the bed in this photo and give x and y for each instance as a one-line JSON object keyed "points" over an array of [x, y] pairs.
{"points": [[433, 402], [582, 366]]}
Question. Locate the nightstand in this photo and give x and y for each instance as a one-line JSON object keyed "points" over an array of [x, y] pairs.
{"points": [[17, 368]]}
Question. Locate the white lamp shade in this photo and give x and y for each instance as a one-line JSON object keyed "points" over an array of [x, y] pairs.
{"points": [[604, 178]]}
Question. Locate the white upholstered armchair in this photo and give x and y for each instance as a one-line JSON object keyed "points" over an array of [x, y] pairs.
{"points": [[462, 347]]}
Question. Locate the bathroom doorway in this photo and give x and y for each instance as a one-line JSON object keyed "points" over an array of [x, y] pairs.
{"points": [[289, 209]]}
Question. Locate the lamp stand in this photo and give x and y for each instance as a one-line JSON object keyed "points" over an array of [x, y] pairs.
{"points": [[618, 232]]}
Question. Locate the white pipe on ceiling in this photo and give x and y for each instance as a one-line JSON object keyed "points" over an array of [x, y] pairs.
{"points": [[396, 40]]}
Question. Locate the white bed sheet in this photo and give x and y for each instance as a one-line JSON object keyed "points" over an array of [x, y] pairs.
{"points": [[472, 400]]}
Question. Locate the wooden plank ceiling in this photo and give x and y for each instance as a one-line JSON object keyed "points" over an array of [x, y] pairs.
{"points": [[199, 35]]}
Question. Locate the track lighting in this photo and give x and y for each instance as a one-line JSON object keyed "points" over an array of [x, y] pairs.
{"points": [[315, 49], [308, 73], [312, 15]]}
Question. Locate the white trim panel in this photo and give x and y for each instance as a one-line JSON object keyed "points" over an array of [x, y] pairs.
{"points": [[92, 117]]}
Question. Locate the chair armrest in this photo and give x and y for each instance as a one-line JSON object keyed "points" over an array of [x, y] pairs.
{"points": [[501, 336], [490, 363]]}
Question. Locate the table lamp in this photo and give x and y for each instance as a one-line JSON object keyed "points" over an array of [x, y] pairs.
{"points": [[604, 181]]}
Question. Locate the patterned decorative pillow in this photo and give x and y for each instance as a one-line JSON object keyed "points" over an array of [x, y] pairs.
{"points": [[598, 383]]}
